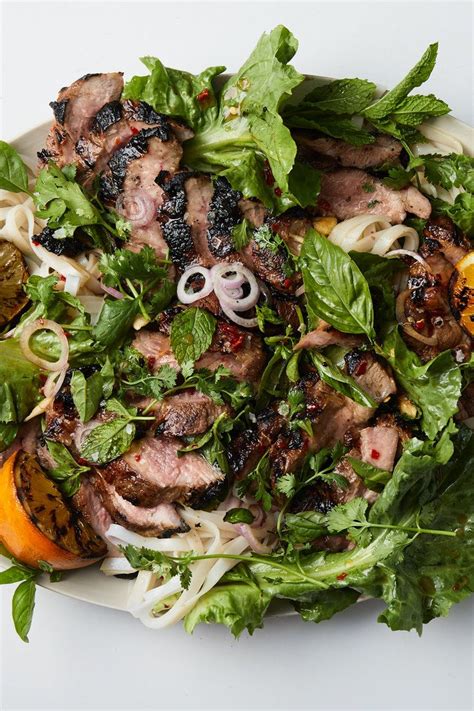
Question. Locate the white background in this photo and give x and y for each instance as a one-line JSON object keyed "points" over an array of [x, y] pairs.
{"points": [[83, 657]]}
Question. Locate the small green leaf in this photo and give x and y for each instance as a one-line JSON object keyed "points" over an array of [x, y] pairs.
{"points": [[23, 604], [239, 516], [13, 171], [192, 331], [86, 394]]}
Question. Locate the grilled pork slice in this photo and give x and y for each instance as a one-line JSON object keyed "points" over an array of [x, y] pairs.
{"points": [[378, 446], [161, 521], [440, 236], [152, 473], [236, 349], [384, 149], [349, 192], [325, 335], [89, 503], [368, 372], [74, 111], [186, 414]]}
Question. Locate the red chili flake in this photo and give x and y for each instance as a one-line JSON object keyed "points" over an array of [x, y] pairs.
{"points": [[277, 192], [324, 205], [341, 576], [134, 130], [235, 337], [42, 379], [62, 278], [375, 454], [67, 334], [420, 324], [361, 368], [276, 226], [36, 243], [267, 174], [138, 457], [117, 141], [80, 460], [287, 283], [151, 362], [203, 95]]}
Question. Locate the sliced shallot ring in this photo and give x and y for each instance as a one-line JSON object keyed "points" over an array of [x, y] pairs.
{"points": [[190, 297], [137, 206], [239, 320], [409, 253], [43, 324], [244, 304]]}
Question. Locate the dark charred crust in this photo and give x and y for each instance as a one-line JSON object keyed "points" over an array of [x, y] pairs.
{"points": [[44, 155], [243, 449], [136, 147], [129, 486], [69, 246], [176, 231], [83, 150], [60, 136], [86, 77], [165, 319], [224, 214], [59, 110], [107, 116], [353, 360], [319, 497], [143, 112], [208, 497]]}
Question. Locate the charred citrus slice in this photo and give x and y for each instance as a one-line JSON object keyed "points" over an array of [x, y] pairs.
{"points": [[36, 521], [13, 274], [461, 292]]}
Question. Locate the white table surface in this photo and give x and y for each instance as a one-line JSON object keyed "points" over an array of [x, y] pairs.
{"points": [[85, 657]]}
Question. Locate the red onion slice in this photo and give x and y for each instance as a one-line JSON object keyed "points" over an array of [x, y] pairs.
{"points": [[189, 297], [137, 206], [227, 301], [43, 324], [111, 291]]}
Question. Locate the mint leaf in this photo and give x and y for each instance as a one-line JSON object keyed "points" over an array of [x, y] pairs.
{"points": [[342, 96], [192, 331], [415, 109]]}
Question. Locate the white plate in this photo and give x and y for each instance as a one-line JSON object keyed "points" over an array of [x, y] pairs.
{"points": [[90, 585]]}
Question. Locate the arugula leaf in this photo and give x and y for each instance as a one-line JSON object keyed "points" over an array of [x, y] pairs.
{"points": [[423, 383], [13, 171], [192, 331], [416, 76], [86, 394], [67, 471], [334, 286], [340, 381]]}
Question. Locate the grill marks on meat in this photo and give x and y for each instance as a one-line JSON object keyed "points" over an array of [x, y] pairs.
{"points": [[74, 111], [384, 149], [224, 214], [186, 414], [427, 306], [348, 192]]}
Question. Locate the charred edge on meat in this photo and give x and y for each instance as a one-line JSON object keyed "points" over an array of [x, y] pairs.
{"points": [[224, 214], [171, 215], [59, 110], [69, 247], [137, 146], [107, 116], [318, 497]]}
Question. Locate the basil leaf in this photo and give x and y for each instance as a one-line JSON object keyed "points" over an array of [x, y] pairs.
{"points": [[334, 286], [86, 394], [108, 378], [416, 76], [239, 516], [13, 172], [115, 321], [341, 382], [8, 432], [192, 331], [67, 471], [14, 575], [108, 441], [23, 604]]}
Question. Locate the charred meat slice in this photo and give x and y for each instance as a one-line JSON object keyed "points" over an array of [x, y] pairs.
{"points": [[370, 374], [249, 446], [89, 504], [325, 335], [349, 192], [161, 521], [224, 214], [186, 414], [74, 111], [440, 235], [384, 149], [151, 473]]}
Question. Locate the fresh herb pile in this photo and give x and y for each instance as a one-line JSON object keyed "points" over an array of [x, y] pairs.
{"points": [[414, 547]]}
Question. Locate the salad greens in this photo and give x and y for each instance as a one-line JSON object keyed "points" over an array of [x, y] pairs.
{"points": [[13, 171]]}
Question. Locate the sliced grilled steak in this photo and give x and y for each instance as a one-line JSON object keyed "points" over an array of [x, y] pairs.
{"points": [[236, 349], [368, 372], [161, 521], [384, 149], [89, 504], [325, 335], [186, 414], [349, 192], [378, 446], [249, 446], [441, 236], [152, 473], [74, 111]]}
